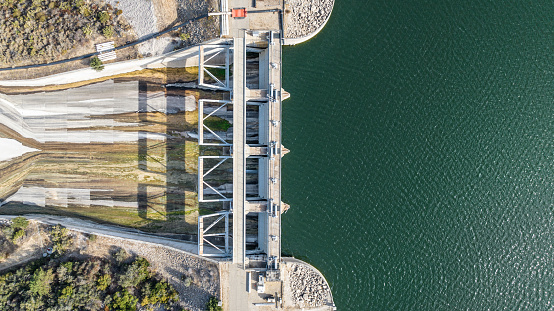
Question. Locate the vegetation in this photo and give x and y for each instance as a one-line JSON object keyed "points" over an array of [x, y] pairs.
{"points": [[103, 17], [46, 30], [93, 284], [96, 64], [184, 36], [20, 222], [61, 239], [217, 124], [11, 235], [108, 31]]}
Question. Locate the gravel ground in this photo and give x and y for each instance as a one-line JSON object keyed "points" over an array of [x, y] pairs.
{"points": [[141, 15], [306, 16]]}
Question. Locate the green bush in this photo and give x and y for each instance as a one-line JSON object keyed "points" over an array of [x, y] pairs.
{"points": [[103, 17], [68, 265], [103, 282], [66, 293], [20, 222], [85, 11], [124, 301], [96, 64]]}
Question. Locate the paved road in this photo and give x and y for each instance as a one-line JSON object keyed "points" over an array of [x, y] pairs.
{"points": [[112, 231], [239, 156], [238, 295]]}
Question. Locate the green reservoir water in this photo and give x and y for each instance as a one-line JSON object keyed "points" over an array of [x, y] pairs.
{"points": [[421, 172]]}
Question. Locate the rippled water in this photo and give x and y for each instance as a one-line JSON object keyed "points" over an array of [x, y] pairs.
{"points": [[421, 172]]}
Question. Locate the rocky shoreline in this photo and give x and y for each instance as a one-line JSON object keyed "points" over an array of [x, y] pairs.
{"points": [[305, 286], [306, 17]]}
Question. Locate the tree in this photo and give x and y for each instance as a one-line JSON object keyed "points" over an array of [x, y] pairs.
{"points": [[40, 282], [135, 273], [96, 64], [61, 238], [161, 292]]}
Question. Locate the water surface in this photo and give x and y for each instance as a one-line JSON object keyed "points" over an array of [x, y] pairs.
{"points": [[421, 170]]}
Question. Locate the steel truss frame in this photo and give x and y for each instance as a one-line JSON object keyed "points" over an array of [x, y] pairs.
{"points": [[203, 66], [203, 234], [202, 118], [201, 181]]}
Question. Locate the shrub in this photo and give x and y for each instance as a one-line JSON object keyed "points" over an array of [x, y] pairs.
{"points": [[19, 233], [212, 305], [108, 31], [65, 6], [20, 222], [120, 256], [96, 64], [41, 17], [184, 36], [68, 265], [118, 12], [87, 30], [103, 17], [85, 11], [188, 281]]}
